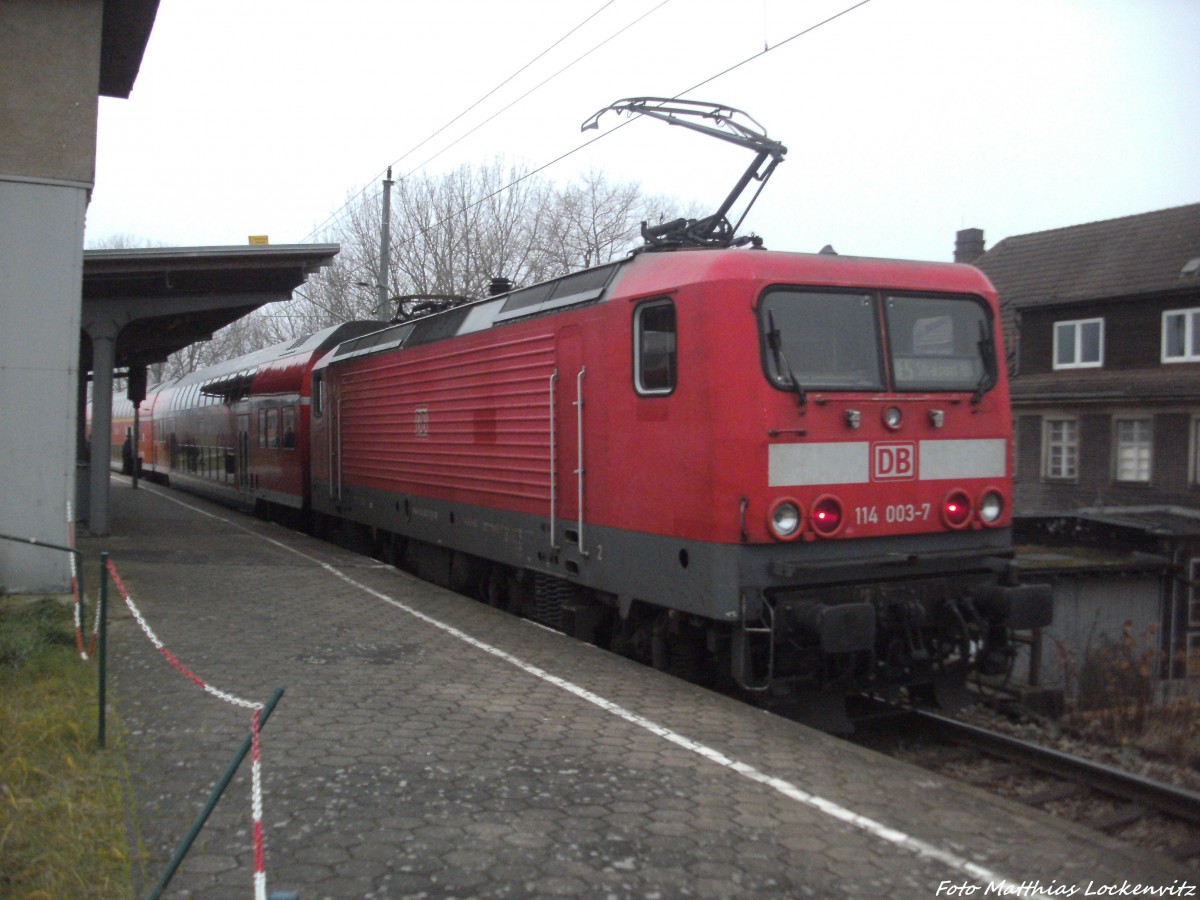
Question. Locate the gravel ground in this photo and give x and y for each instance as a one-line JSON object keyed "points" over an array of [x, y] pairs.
{"points": [[1160, 834]]}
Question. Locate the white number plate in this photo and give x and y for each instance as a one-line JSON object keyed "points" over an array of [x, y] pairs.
{"points": [[900, 513]]}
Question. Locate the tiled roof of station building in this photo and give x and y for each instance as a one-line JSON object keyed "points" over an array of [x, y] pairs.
{"points": [[1145, 253]]}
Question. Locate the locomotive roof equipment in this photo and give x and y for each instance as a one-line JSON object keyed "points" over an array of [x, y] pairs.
{"points": [[728, 124]]}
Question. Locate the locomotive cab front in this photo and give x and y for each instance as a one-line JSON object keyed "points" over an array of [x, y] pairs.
{"points": [[876, 544]]}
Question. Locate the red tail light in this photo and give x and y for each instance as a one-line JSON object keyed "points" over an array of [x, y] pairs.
{"points": [[956, 509], [826, 516]]}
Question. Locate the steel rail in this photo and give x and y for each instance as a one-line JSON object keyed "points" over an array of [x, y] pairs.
{"points": [[1172, 800]]}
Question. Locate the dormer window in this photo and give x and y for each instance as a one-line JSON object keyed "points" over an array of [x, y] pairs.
{"points": [[1079, 344], [1181, 336]]}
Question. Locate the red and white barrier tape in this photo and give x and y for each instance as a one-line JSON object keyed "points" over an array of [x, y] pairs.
{"points": [[84, 653], [256, 799]]}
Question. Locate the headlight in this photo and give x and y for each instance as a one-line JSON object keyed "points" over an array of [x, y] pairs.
{"points": [[785, 519], [892, 418], [991, 508]]}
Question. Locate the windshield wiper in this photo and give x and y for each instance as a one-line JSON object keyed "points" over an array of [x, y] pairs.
{"points": [[987, 349], [775, 342]]}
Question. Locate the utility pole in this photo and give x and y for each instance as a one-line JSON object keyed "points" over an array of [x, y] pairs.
{"points": [[382, 310]]}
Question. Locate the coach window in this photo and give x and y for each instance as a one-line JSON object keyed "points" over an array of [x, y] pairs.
{"points": [[272, 429], [654, 348], [288, 428], [318, 395]]}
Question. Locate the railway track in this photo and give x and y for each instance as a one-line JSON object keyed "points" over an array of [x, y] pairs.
{"points": [[1131, 807]]}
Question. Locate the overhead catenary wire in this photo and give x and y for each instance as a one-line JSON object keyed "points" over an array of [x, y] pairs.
{"points": [[539, 85], [766, 49], [426, 140]]}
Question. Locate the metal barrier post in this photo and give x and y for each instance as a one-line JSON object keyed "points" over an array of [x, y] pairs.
{"points": [[103, 650], [186, 844]]}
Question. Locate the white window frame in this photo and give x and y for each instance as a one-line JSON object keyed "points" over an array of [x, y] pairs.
{"points": [[1048, 444], [1191, 337], [1194, 452], [639, 352], [1143, 451], [1076, 326]]}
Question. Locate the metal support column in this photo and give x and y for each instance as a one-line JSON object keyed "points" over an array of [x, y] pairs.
{"points": [[104, 341]]}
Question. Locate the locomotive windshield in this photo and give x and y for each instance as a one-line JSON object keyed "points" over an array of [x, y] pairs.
{"points": [[826, 340], [822, 340], [937, 343]]}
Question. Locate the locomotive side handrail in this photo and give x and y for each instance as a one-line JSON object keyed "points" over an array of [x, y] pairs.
{"points": [[579, 471], [553, 464]]}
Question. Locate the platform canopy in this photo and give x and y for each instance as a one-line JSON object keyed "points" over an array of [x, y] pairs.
{"points": [[141, 305], [165, 298]]}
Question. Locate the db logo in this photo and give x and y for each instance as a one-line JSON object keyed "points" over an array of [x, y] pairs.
{"points": [[894, 461]]}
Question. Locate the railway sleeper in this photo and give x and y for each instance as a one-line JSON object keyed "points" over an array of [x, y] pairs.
{"points": [[1066, 790], [1122, 815]]}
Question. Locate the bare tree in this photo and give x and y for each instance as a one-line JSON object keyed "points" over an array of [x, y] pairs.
{"points": [[595, 222], [451, 235]]}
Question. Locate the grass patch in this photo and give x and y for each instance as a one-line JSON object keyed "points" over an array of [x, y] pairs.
{"points": [[62, 812]]}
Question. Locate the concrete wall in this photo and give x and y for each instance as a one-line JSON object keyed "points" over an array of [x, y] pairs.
{"points": [[41, 261], [49, 78]]}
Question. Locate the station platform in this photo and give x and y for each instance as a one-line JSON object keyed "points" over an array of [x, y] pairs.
{"points": [[430, 746]]}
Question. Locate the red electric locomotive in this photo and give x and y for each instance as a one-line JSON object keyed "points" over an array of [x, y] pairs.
{"points": [[795, 464]]}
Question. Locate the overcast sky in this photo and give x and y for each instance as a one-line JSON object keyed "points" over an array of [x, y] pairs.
{"points": [[905, 120]]}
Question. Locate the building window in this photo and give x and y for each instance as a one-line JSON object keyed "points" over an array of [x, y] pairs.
{"points": [[1079, 345], [1181, 336], [1134, 448], [1061, 457]]}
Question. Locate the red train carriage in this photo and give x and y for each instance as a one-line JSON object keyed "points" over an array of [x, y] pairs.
{"points": [[237, 431], [795, 466]]}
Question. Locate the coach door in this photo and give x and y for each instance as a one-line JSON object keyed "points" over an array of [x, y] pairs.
{"points": [[334, 436], [569, 482], [243, 451]]}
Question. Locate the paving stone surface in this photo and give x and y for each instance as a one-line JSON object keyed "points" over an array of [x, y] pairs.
{"points": [[430, 746]]}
